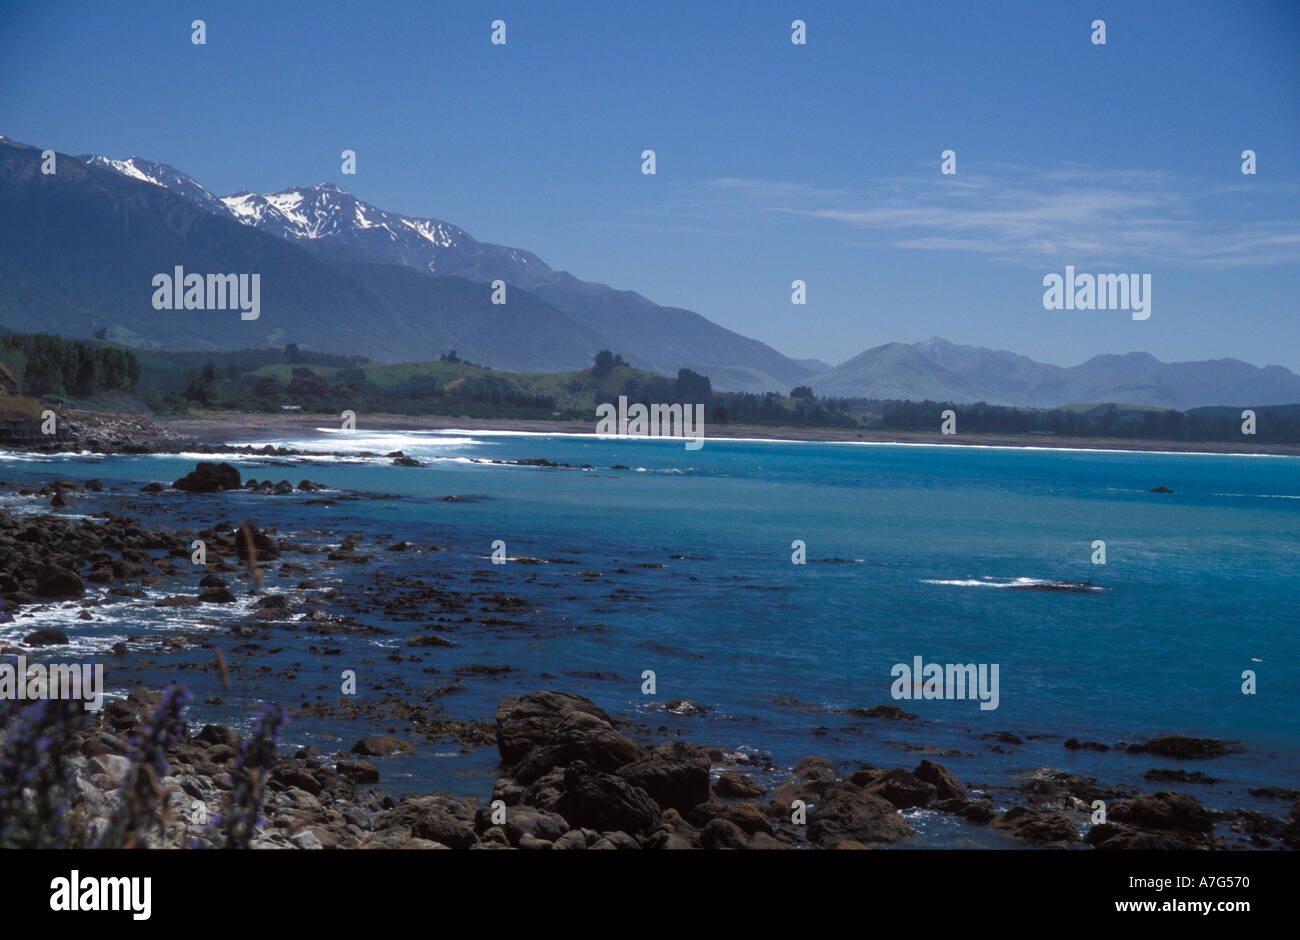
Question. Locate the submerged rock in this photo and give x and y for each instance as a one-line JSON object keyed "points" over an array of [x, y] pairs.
{"points": [[1185, 748]]}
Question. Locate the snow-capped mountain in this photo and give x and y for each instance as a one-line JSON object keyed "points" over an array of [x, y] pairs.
{"points": [[160, 174], [327, 213], [80, 250], [324, 218]]}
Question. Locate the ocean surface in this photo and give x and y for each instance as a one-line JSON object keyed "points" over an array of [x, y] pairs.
{"points": [[681, 564]]}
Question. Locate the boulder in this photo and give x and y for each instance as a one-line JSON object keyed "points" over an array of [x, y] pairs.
{"points": [[850, 813], [46, 637], [209, 477], [748, 817], [902, 789], [722, 834], [60, 582], [361, 771], [523, 821], [543, 730], [382, 747], [1164, 810], [675, 775], [738, 787], [1029, 825], [1112, 837], [591, 798], [946, 785], [435, 818], [816, 768]]}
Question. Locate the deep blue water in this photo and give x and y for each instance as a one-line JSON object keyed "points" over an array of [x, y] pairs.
{"points": [[1199, 585]]}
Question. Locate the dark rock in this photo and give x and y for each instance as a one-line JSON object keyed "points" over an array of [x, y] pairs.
{"points": [[382, 747], [1276, 793], [46, 637], [177, 600], [722, 834], [60, 582], [1164, 775], [1112, 837], [1075, 744], [561, 728], [1184, 748], [361, 771], [738, 786], [217, 734], [981, 812], [523, 820], [219, 595], [946, 785], [902, 789], [209, 478], [1164, 810], [1029, 825], [674, 774], [747, 816], [262, 544], [816, 768], [437, 818], [850, 813], [593, 799], [810, 791], [881, 711]]}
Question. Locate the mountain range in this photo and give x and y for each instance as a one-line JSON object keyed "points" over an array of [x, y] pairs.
{"points": [[324, 218], [943, 371], [78, 250]]}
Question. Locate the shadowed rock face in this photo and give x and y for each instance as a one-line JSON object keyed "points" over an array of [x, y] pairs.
{"points": [[1166, 810], [851, 814], [569, 726], [675, 774], [1032, 826]]}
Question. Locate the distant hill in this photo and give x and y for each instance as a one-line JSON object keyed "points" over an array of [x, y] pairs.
{"points": [[943, 371]]}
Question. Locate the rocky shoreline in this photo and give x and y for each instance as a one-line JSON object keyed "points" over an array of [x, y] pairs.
{"points": [[571, 780], [570, 776]]}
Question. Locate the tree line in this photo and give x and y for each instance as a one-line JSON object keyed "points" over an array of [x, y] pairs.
{"points": [[55, 366]]}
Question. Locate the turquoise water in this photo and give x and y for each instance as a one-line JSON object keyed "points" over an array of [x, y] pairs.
{"points": [[905, 547]]}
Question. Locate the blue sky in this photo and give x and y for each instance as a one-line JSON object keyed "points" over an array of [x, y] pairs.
{"points": [[775, 161]]}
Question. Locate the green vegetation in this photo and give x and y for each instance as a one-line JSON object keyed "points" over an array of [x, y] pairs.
{"points": [[272, 379], [47, 365]]}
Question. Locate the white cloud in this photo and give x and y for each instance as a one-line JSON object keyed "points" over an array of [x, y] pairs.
{"points": [[1032, 216]]}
